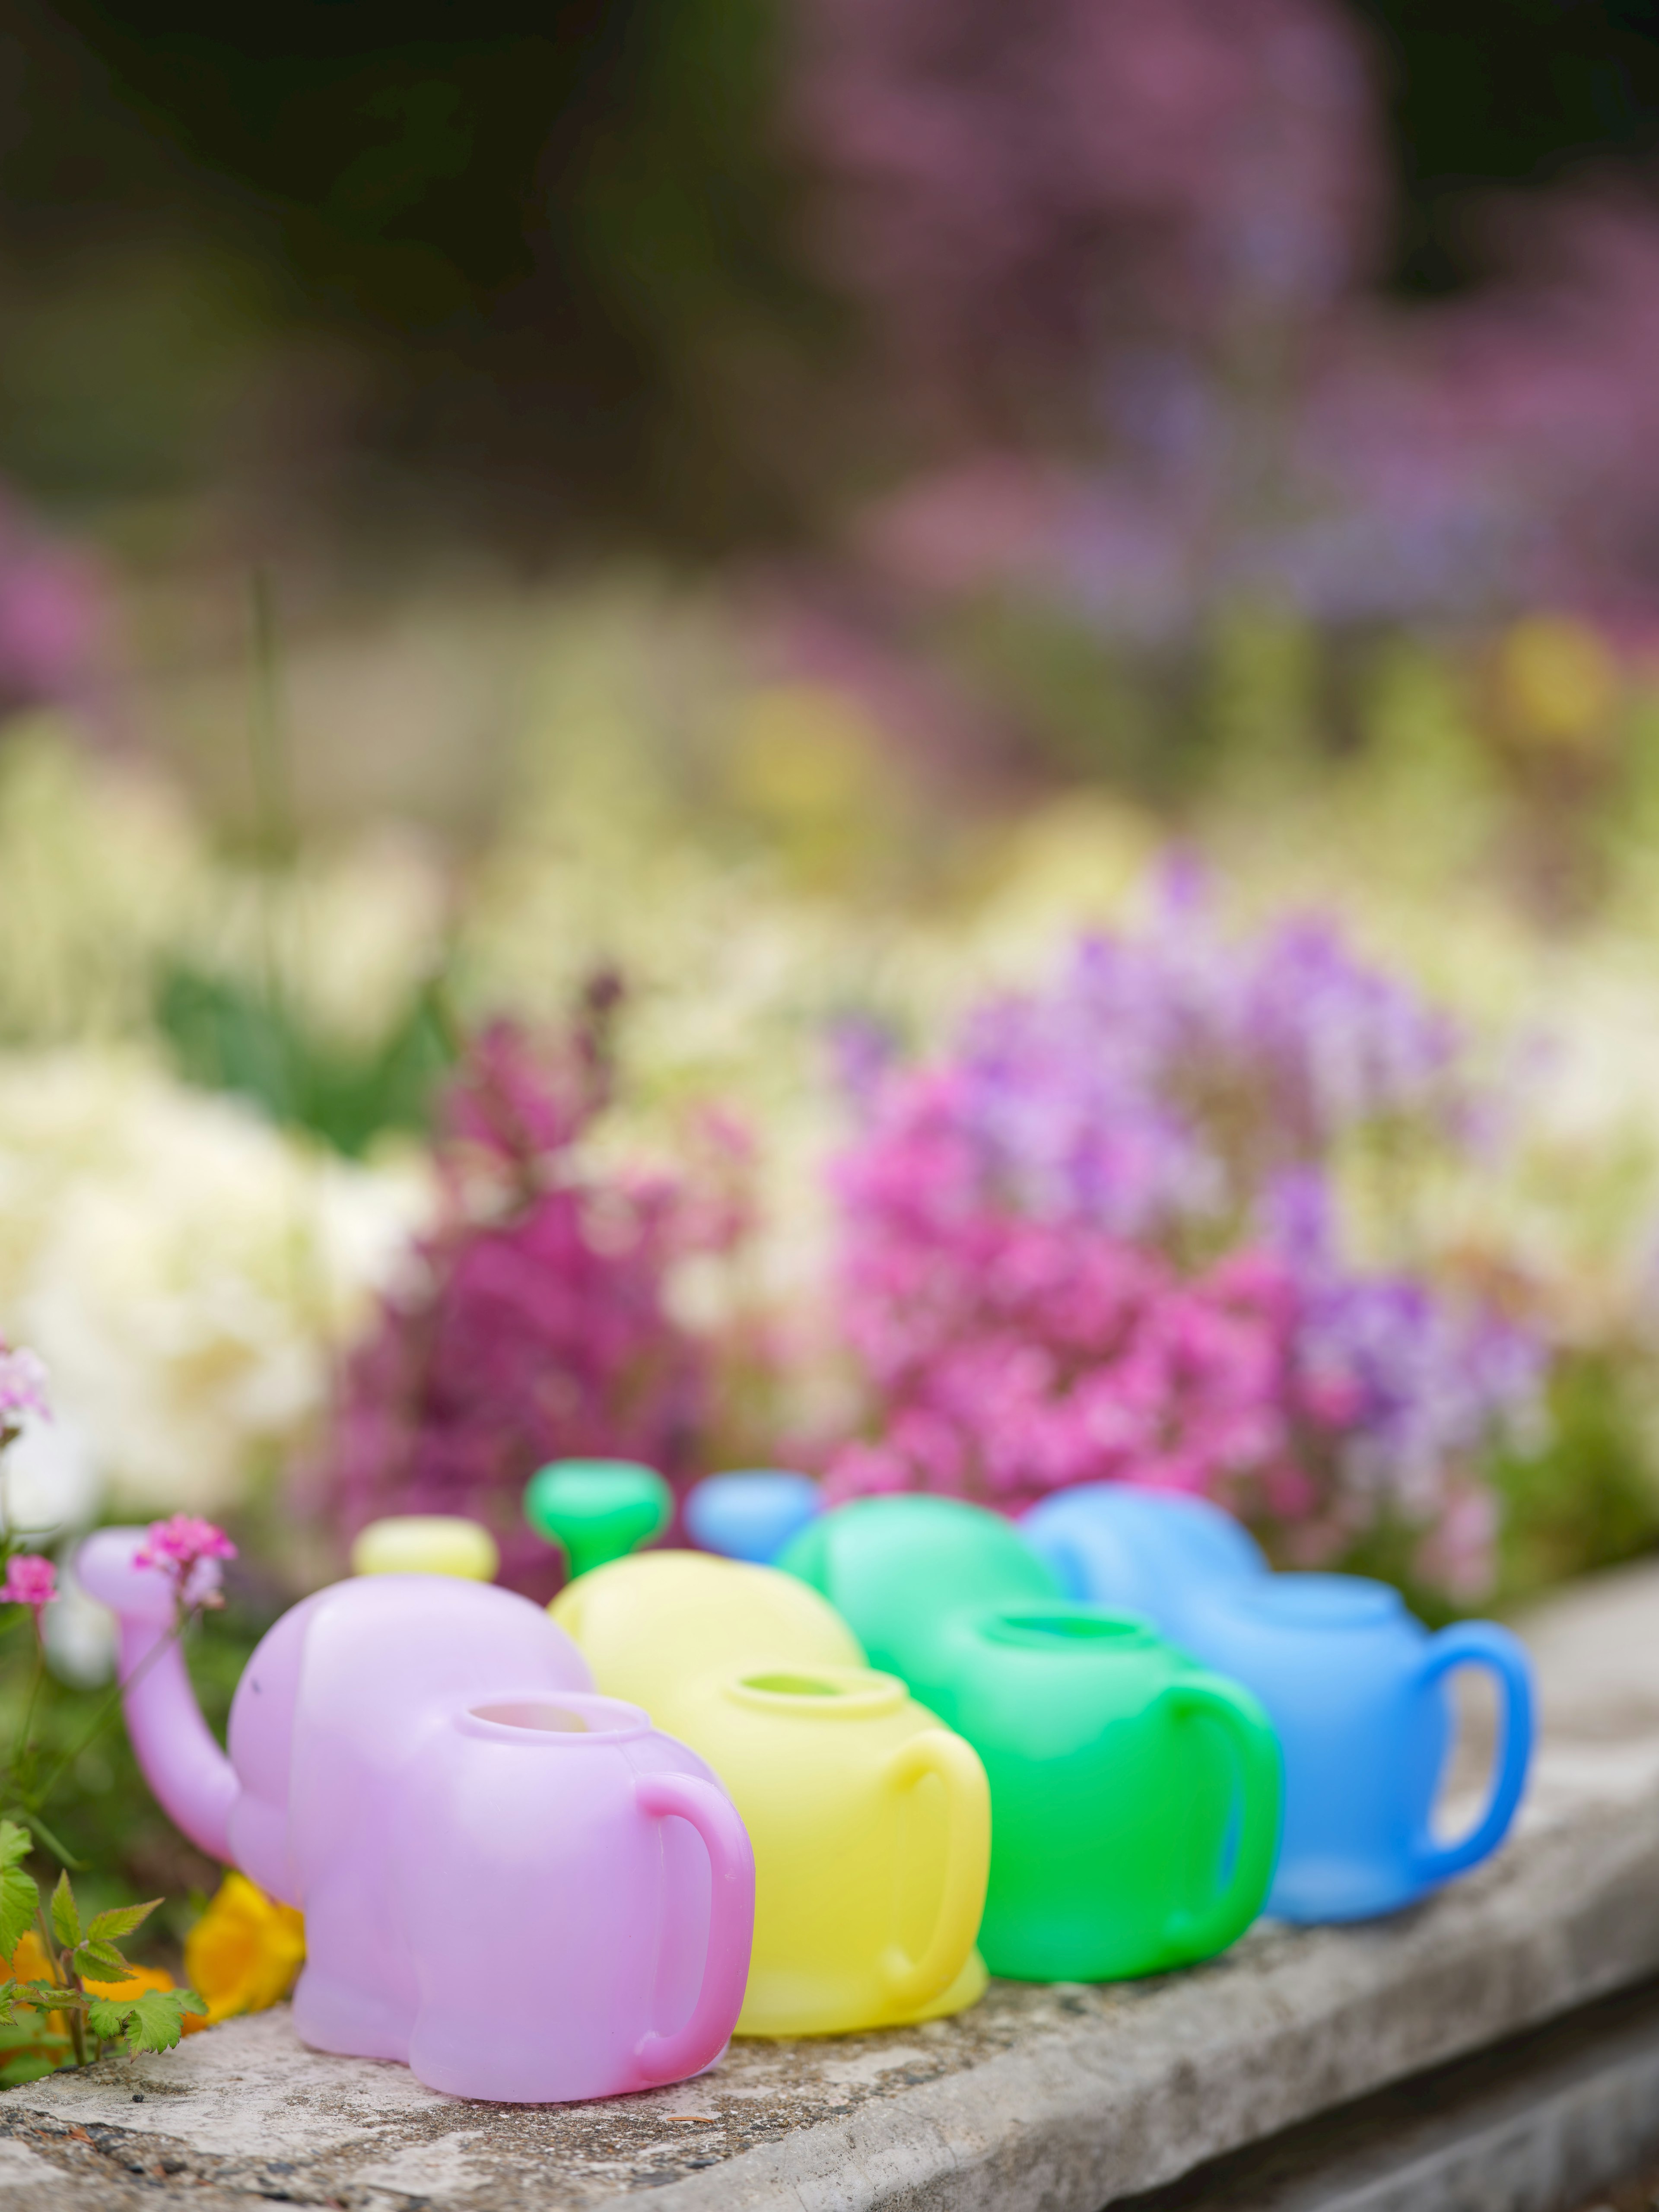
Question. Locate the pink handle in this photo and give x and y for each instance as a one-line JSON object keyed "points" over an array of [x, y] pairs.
{"points": [[730, 1924]]}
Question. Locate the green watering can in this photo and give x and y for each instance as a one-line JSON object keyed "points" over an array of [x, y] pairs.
{"points": [[1135, 1798]]}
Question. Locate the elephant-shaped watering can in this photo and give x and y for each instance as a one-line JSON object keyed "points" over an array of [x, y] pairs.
{"points": [[520, 1889]]}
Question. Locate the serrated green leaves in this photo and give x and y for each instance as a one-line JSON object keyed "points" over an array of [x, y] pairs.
{"points": [[65, 1920], [120, 1920], [152, 2022], [107, 2018], [19, 1898], [92, 1954]]}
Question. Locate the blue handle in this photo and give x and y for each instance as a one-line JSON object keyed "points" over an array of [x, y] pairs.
{"points": [[1482, 1644]]}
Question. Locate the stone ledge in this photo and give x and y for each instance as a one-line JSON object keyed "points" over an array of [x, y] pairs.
{"points": [[1062, 2099]]}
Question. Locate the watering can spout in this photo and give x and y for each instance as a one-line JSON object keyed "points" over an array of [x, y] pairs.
{"points": [[182, 1763], [597, 1510]]}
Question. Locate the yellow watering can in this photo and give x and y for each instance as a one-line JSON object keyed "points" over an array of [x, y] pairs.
{"points": [[870, 1822]]}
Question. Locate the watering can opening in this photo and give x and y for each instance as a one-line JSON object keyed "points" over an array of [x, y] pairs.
{"points": [[538, 1716], [834, 1692], [550, 1720], [1056, 1629]]}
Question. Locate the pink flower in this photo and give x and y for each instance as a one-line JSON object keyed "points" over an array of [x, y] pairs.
{"points": [[185, 1549], [30, 1581], [23, 1384], [534, 1324]]}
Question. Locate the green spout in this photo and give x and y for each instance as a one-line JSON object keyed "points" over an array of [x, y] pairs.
{"points": [[597, 1510]]}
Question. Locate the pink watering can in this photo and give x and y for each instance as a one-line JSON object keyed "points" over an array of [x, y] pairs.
{"points": [[522, 1890]]}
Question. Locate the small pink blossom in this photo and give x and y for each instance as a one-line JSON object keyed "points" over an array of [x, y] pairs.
{"points": [[184, 1548], [23, 1384], [30, 1581]]}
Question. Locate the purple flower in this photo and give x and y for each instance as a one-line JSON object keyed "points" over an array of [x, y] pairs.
{"points": [[1098, 1241]]}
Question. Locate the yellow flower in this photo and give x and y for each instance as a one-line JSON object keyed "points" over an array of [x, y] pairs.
{"points": [[245, 1951], [39, 2040]]}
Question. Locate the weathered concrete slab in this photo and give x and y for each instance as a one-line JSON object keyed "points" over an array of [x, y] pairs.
{"points": [[1547, 2122], [1042, 2100]]}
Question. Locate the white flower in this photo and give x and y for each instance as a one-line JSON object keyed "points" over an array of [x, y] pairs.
{"points": [[183, 1267]]}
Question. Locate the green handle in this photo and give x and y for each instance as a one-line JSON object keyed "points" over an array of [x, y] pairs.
{"points": [[1200, 1933], [597, 1510]]}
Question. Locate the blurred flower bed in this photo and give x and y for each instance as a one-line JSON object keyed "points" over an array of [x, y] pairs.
{"points": [[744, 1098]]}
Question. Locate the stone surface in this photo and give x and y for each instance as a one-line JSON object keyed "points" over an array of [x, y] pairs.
{"points": [[1547, 2121], [1041, 2099]]}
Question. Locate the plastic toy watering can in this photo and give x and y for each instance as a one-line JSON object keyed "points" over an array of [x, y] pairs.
{"points": [[521, 1890], [597, 1510], [426, 1544], [751, 1516], [870, 1822], [899, 1570], [1356, 1689], [1158, 1553], [1136, 1799], [650, 1626], [872, 1829]]}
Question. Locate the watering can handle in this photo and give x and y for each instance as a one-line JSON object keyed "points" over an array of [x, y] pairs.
{"points": [[1200, 1933], [730, 1923], [1482, 1644], [911, 1982]]}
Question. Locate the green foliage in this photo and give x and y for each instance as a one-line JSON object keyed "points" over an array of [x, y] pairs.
{"points": [[65, 1920], [148, 2020], [20, 1896], [36, 1994], [1588, 1498], [152, 2021], [64, 1752], [119, 1920], [227, 1035], [100, 1814]]}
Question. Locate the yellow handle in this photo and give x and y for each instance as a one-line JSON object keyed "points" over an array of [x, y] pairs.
{"points": [[967, 1863]]}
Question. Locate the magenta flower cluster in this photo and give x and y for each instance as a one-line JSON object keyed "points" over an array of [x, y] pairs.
{"points": [[534, 1324], [30, 1581], [1098, 1241], [188, 1551]]}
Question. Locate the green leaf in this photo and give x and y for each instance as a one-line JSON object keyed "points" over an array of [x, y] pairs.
{"points": [[120, 1919], [107, 2017], [154, 2022], [20, 1900], [192, 2001], [30, 1998], [104, 1955], [15, 1843], [65, 1920]]}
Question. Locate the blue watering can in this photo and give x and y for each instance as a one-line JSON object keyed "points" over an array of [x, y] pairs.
{"points": [[751, 1516]]}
